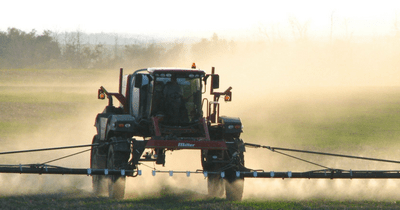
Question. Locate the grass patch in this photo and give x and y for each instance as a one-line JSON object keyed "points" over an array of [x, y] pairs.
{"points": [[35, 95], [52, 77], [170, 200], [359, 117], [31, 99], [10, 128]]}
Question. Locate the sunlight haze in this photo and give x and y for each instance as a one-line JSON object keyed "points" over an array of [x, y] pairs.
{"points": [[177, 19]]}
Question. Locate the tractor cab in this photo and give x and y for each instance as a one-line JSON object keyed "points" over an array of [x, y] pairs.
{"points": [[165, 102], [177, 96], [169, 99]]}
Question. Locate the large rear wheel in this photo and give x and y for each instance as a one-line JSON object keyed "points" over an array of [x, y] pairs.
{"points": [[116, 183], [234, 185], [215, 185], [233, 157], [98, 160]]}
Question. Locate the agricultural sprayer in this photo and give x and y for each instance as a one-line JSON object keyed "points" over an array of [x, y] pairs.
{"points": [[161, 109]]}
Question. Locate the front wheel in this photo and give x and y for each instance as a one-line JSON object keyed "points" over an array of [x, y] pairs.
{"points": [[98, 160], [215, 185], [116, 183], [234, 188], [234, 185]]}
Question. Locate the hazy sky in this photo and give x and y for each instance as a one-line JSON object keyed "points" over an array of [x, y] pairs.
{"points": [[174, 18]]}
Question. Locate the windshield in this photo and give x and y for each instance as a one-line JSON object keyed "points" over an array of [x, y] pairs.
{"points": [[177, 98]]}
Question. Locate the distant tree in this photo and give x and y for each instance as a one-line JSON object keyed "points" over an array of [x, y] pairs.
{"points": [[200, 49], [396, 26], [272, 33], [77, 54], [299, 30], [141, 56], [215, 48], [348, 35], [47, 49], [3, 47], [73, 51], [22, 50], [174, 55], [331, 35], [117, 55]]}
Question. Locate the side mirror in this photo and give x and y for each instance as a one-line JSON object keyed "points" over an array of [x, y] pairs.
{"points": [[138, 80], [215, 81]]}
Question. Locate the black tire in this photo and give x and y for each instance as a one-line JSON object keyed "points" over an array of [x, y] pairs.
{"points": [[98, 160], [215, 185], [234, 185], [116, 183], [234, 188]]}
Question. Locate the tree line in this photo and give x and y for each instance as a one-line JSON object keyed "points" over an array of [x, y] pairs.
{"points": [[19, 49]]}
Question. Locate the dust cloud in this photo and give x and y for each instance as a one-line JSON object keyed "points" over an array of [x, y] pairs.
{"points": [[303, 94], [60, 108], [339, 97]]}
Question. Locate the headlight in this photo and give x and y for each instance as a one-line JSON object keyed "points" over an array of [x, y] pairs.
{"points": [[122, 125]]}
